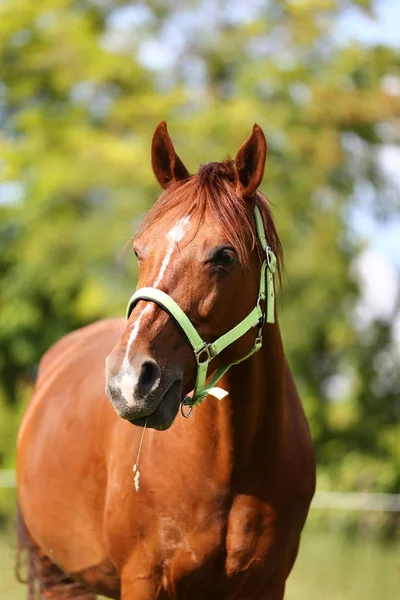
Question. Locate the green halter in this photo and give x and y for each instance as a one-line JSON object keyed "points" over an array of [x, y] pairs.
{"points": [[204, 353]]}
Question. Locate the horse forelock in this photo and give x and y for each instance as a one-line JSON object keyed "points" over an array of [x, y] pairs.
{"points": [[212, 191]]}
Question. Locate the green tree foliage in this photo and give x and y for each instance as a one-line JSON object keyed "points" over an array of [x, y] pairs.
{"points": [[77, 111]]}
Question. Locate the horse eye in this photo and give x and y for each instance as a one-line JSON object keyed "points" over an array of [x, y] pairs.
{"points": [[224, 257]]}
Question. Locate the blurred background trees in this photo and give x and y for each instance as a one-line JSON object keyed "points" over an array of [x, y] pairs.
{"points": [[82, 86]]}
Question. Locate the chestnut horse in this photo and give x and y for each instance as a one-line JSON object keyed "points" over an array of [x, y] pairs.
{"points": [[224, 495]]}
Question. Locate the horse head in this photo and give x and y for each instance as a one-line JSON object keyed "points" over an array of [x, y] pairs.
{"points": [[198, 245]]}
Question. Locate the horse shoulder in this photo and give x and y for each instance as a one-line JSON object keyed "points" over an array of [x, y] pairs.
{"points": [[69, 397], [264, 527]]}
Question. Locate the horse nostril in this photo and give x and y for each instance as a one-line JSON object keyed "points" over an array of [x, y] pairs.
{"points": [[149, 374]]}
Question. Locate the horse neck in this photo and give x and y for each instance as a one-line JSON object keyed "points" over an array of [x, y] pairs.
{"points": [[257, 401]]}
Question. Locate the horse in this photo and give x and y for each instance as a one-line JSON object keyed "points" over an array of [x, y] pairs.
{"points": [[118, 493]]}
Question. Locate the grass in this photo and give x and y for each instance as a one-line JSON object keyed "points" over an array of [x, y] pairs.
{"points": [[332, 567], [10, 589], [329, 567]]}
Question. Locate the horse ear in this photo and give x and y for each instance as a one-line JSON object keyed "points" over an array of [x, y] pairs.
{"points": [[250, 162], [167, 166]]}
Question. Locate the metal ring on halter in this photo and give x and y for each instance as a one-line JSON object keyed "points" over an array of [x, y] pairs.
{"points": [[267, 249], [203, 353], [183, 404], [261, 320]]}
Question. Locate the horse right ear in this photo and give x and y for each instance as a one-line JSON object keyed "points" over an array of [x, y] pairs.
{"points": [[250, 162], [167, 166]]}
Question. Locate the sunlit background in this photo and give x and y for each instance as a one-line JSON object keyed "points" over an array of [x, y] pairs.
{"points": [[82, 86]]}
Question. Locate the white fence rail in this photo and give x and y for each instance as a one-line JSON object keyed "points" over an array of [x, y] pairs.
{"points": [[357, 501], [322, 499]]}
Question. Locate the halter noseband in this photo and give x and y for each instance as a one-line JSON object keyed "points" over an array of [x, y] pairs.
{"points": [[204, 353]]}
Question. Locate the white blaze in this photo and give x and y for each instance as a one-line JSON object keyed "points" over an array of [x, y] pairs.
{"points": [[127, 378]]}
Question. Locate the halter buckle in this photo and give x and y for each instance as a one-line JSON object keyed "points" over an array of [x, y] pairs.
{"points": [[259, 337], [261, 323], [205, 353]]}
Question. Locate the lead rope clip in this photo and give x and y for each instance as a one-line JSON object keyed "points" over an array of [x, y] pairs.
{"points": [[190, 407]]}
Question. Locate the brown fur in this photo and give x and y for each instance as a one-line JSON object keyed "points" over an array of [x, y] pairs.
{"points": [[224, 495]]}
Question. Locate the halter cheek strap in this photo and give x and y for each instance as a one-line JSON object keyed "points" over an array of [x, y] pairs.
{"points": [[204, 353]]}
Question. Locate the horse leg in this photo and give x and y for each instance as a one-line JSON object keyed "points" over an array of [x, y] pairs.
{"points": [[137, 589], [139, 582], [54, 583]]}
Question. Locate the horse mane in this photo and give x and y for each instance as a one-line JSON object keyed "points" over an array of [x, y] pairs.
{"points": [[211, 190]]}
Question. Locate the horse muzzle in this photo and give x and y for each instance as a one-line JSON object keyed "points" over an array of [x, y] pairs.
{"points": [[142, 392]]}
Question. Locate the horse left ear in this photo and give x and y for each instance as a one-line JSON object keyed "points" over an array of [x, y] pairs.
{"points": [[167, 166], [250, 162]]}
